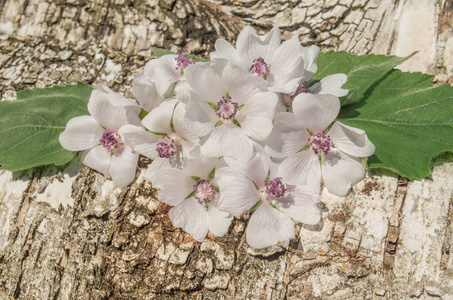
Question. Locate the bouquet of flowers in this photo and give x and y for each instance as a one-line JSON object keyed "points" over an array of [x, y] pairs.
{"points": [[256, 128]]}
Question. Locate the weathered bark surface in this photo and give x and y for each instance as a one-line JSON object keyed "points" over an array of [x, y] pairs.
{"points": [[74, 235]]}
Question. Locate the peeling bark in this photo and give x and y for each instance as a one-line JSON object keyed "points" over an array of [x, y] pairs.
{"points": [[72, 234]]}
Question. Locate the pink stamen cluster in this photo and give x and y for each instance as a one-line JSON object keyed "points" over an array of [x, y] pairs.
{"points": [[302, 88], [110, 139], [182, 61], [260, 68], [226, 109], [320, 142], [166, 147], [274, 187], [204, 191]]}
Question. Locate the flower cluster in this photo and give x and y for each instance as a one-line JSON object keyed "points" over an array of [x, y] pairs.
{"points": [[247, 130]]}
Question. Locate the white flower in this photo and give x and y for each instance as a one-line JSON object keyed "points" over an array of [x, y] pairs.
{"points": [[228, 108], [98, 135], [313, 150], [163, 78], [168, 140], [193, 193], [282, 65], [245, 185]]}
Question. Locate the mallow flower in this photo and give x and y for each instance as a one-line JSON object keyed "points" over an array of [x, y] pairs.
{"points": [[194, 194], [97, 135], [281, 65], [315, 151], [167, 139], [228, 108], [256, 185], [163, 78]]}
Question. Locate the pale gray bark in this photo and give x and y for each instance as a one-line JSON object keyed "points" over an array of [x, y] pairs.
{"points": [[74, 235]]}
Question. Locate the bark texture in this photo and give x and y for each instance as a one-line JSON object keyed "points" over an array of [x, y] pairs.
{"points": [[72, 234]]}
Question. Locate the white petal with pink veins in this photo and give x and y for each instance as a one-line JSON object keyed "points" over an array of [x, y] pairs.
{"points": [[351, 140], [316, 112], [81, 133], [192, 217], [123, 166], [341, 171], [268, 226]]}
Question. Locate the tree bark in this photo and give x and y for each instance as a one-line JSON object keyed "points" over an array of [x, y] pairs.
{"points": [[72, 234]]}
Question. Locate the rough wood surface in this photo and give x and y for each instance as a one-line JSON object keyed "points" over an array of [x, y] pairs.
{"points": [[71, 234]]}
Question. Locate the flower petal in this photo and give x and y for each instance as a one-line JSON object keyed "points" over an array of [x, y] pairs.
{"points": [[182, 91], [192, 217], [123, 166], [228, 140], [341, 171], [268, 226], [224, 50], [351, 140], [97, 158], [165, 69], [144, 89], [109, 115], [288, 136], [287, 67], [316, 112], [331, 85], [139, 140], [81, 133], [302, 168], [173, 183], [237, 192], [250, 45], [256, 169], [205, 82], [256, 116], [200, 117], [301, 205], [310, 55], [158, 120], [218, 221]]}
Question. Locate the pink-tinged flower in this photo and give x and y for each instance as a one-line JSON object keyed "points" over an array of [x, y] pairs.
{"points": [[167, 140], [256, 184], [194, 194], [313, 151], [228, 108], [98, 135], [282, 65], [163, 78]]}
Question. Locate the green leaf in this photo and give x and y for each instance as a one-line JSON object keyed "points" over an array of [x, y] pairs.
{"points": [[212, 174], [31, 125], [408, 120], [255, 206], [362, 71], [172, 126], [143, 113], [196, 178]]}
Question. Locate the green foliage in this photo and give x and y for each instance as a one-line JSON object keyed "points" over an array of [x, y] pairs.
{"points": [[363, 71], [408, 120], [31, 125]]}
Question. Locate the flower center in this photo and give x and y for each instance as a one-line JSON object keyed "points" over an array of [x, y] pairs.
{"points": [[260, 68], [205, 192], [166, 147], [302, 88], [320, 142], [274, 187], [226, 109], [110, 139], [182, 61]]}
